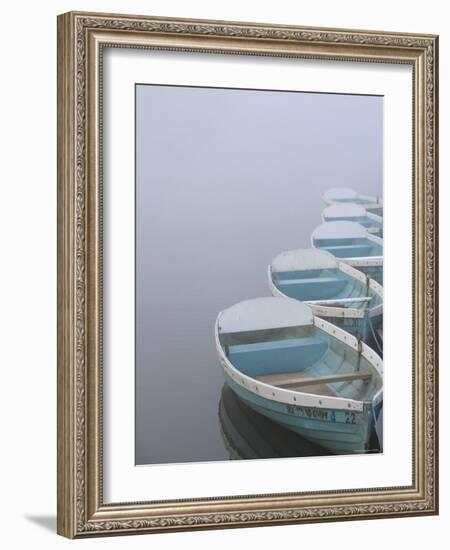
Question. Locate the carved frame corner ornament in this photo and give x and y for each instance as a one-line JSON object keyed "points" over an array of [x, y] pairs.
{"points": [[81, 510]]}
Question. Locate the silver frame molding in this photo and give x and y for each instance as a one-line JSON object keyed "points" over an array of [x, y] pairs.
{"points": [[81, 38]]}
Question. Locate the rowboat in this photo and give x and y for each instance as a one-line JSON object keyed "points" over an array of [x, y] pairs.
{"points": [[249, 435], [334, 291], [354, 213], [338, 195], [352, 244], [301, 371]]}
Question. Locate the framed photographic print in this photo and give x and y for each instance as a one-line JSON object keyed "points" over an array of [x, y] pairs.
{"points": [[247, 276]]}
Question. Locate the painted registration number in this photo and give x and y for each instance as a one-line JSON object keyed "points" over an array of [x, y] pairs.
{"points": [[347, 417]]}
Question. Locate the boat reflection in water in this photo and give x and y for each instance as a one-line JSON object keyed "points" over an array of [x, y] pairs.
{"points": [[249, 435]]}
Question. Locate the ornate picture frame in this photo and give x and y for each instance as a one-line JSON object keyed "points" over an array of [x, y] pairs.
{"points": [[82, 39]]}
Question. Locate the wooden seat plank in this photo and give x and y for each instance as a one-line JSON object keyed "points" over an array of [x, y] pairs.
{"points": [[301, 379]]}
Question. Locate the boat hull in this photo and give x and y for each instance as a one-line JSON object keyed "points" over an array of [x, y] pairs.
{"points": [[337, 430]]}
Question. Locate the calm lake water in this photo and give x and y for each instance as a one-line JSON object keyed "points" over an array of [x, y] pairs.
{"points": [[225, 181]]}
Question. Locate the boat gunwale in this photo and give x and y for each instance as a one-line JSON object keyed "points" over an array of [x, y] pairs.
{"points": [[363, 261], [374, 217]]}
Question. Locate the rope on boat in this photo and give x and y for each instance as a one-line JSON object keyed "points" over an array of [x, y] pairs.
{"points": [[367, 284], [378, 344]]}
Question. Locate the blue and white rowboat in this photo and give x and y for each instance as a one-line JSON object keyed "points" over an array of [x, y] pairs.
{"points": [[354, 213], [334, 290], [338, 195], [301, 371], [351, 243]]}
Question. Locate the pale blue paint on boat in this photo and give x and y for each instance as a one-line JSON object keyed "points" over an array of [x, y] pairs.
{"points": [[346, 195], [254, 351], [315, 275], [351, 242], [352, 212], [374, 272], [354, 248], [377, 210]]}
